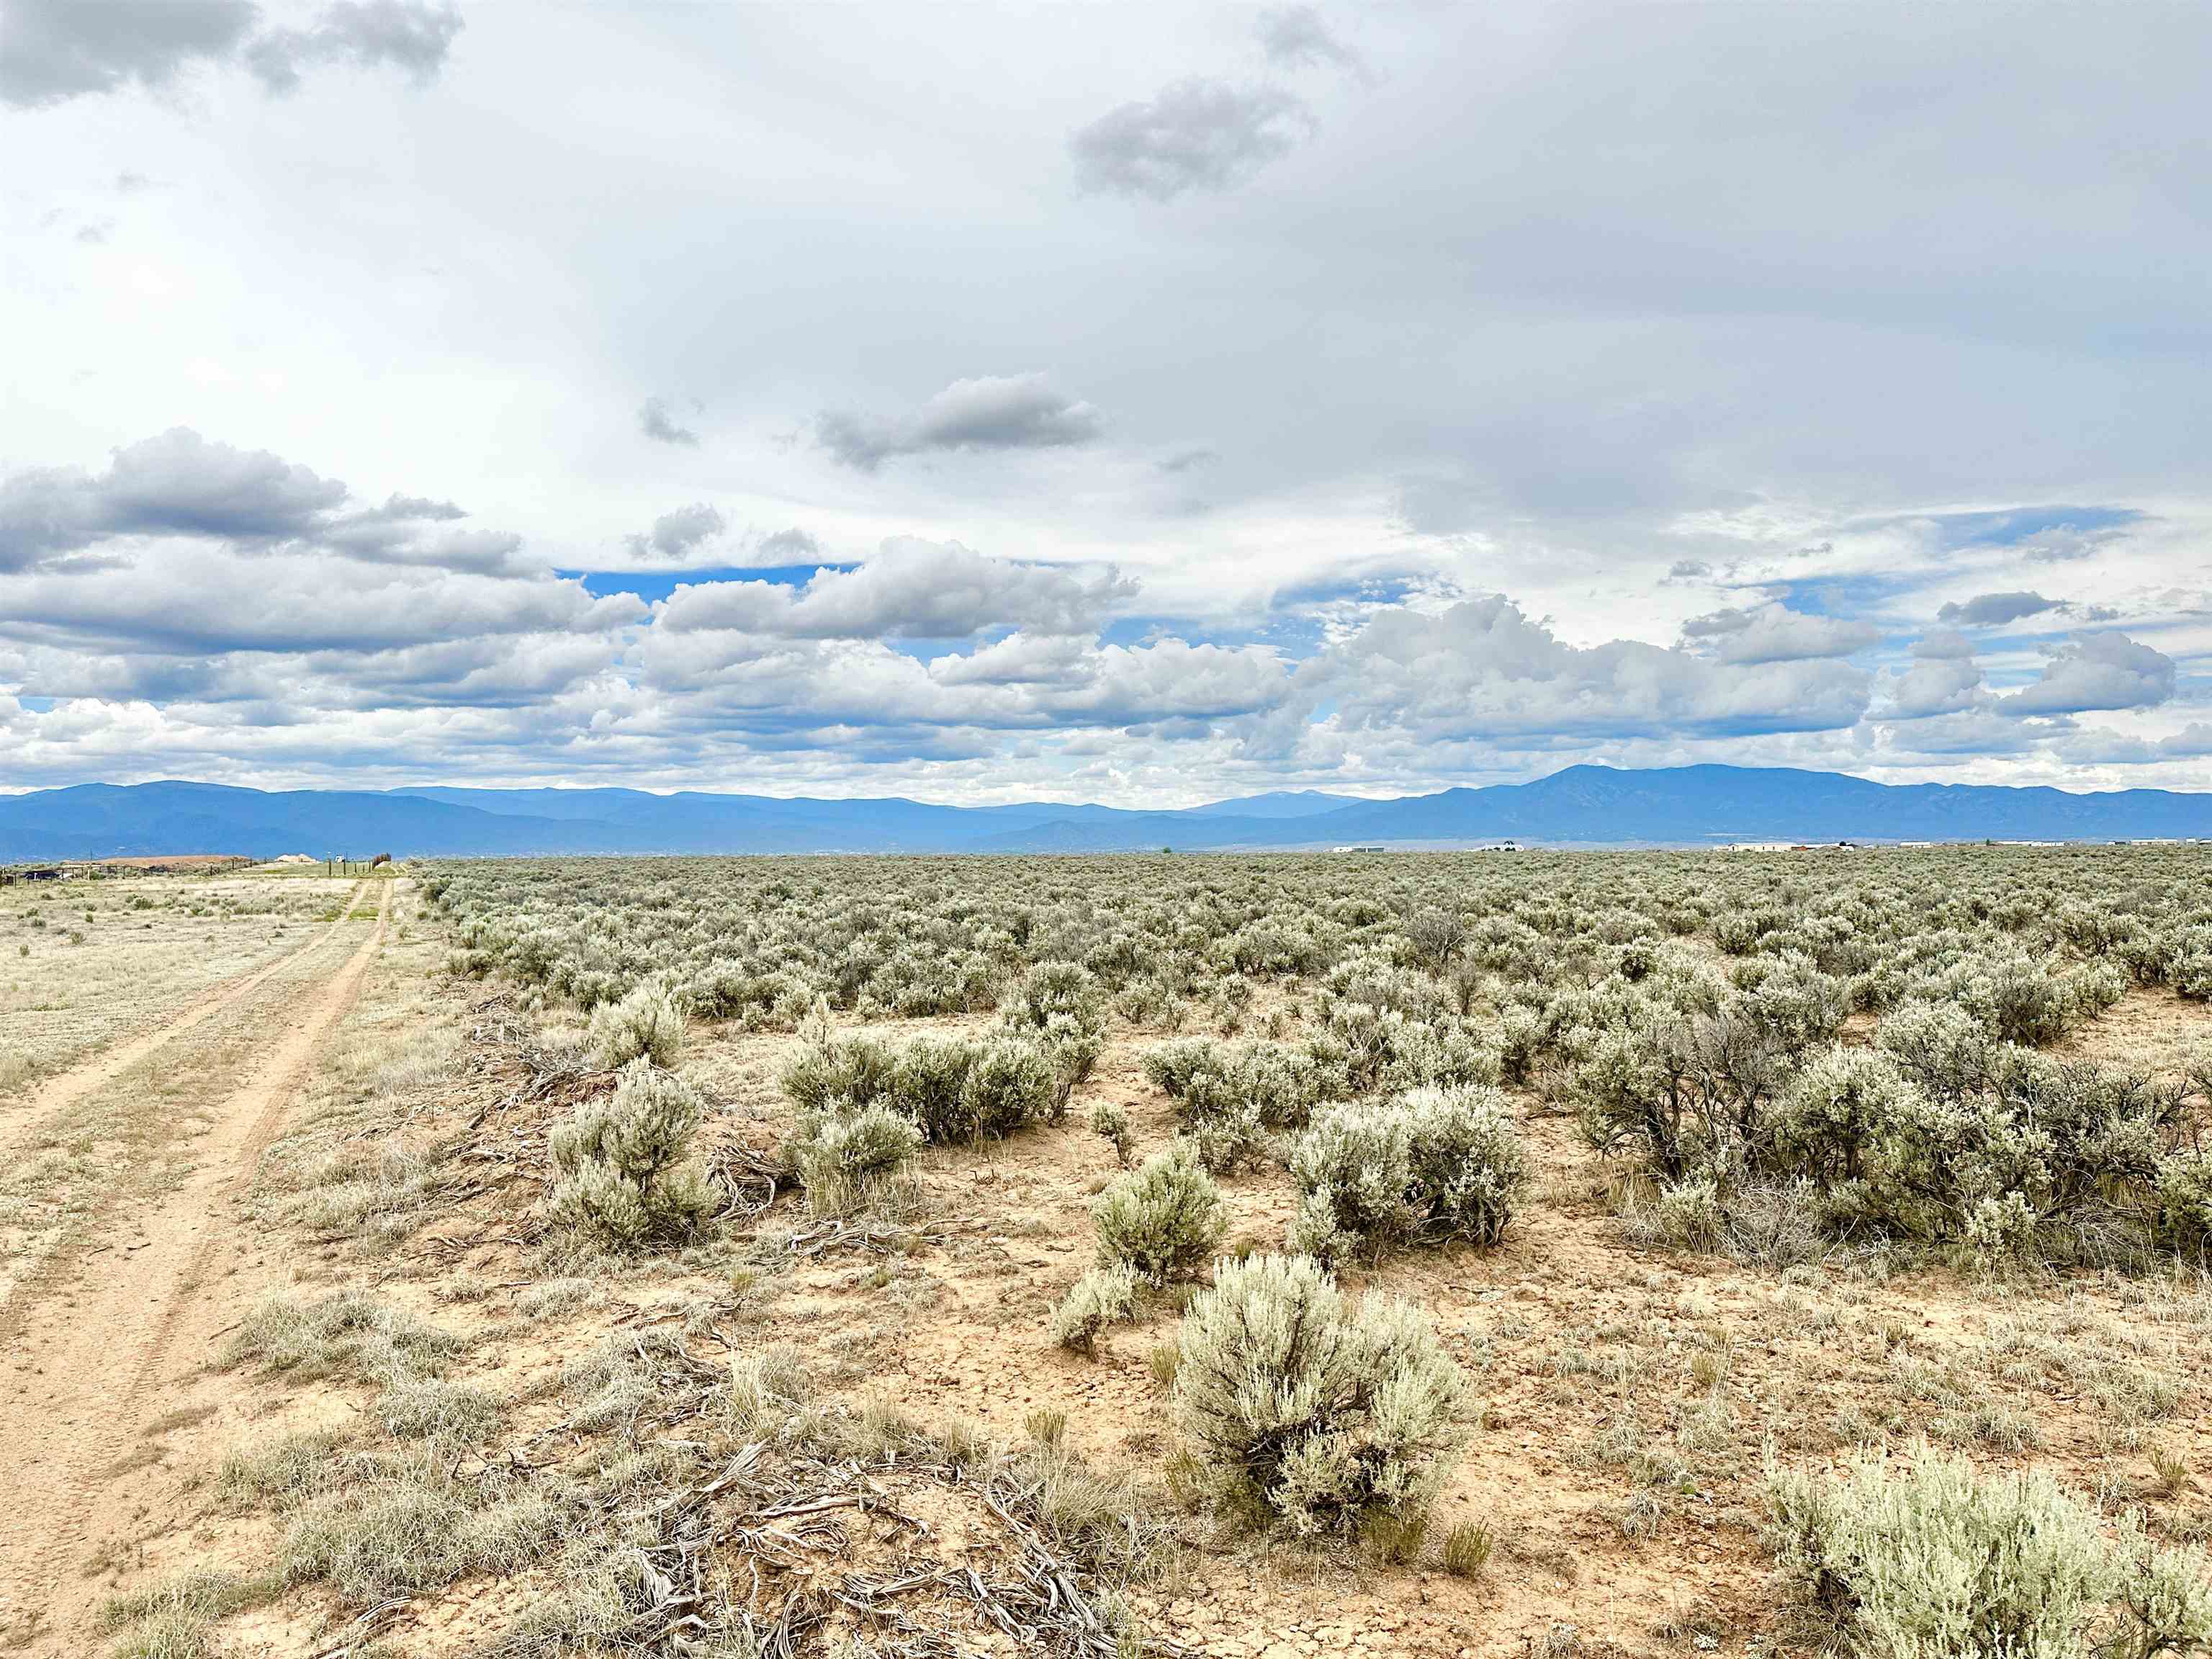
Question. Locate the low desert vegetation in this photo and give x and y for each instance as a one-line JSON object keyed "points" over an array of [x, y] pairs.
{"points": [[1327, 1416], [626, 1176], [1618, 1253], [1928, 1557]]}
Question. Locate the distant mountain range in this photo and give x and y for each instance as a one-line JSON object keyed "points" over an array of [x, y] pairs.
{"points": [[1583, 805]]}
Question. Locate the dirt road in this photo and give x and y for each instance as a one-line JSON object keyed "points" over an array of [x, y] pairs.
{"points": [[90, 1360], [57, 1093]]}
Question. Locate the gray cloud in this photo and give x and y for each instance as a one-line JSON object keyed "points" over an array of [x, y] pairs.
{"points": [[2100, 670], [1195, 135], [793, 543], [675, 535], [360, 34], [990, 412], [659, 422], [182, 485], [176, 485], [1294, 37], [1773, 633], [1995, 610], [61, 49], [910, 588]]}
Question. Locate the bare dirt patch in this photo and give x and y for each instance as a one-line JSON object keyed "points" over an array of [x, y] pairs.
{"points": [[90, 1368]]}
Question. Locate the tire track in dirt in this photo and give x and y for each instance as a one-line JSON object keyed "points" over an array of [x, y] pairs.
{"points": [[97, 1360], [48, 1099]]}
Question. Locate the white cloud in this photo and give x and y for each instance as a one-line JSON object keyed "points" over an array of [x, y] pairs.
{"points": [[910, 589], [1482, 666], [1773, 633], [2100, 670]]}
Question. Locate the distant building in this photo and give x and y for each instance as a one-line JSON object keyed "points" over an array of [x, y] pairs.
{"points": [[1363, 847]]}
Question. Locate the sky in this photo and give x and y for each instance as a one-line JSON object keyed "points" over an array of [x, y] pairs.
{"points": [[1143, 404]]}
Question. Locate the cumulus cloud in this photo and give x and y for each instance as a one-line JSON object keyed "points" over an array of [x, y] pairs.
{"points": [[56, 50], [177, 484], [1774, 633], [910, 589], [659, 422], [1195, 135], [1482, 666], [793, 543], [2102, 669], [1943, 680], [990, 412], [675, 535], [1995, 610], [180, 485]]}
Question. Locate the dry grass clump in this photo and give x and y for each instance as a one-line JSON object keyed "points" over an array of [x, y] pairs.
{"points": [[349, 1336], [399, 1524], [176, 1620]]}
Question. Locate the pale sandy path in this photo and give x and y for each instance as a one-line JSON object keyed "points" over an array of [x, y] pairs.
{"points": [[48, 1099], [86, 1368]]}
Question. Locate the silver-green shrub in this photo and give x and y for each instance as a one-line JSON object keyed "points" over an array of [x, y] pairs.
{"points": [[2184, 1205], [624, 1174], [842, 1157], [1110, 1119], [1104, 1296], [1162, 1220], [1326, 1414], [1926, 1560], [1431, 1165], [1010, 1084], [645, 1023]]}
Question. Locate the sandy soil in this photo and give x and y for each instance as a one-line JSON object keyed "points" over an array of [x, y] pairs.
{"points": [[88, 1365], [22, 1117], [154, 947]]}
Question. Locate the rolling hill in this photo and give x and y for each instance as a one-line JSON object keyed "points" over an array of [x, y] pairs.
{"points": [[1582, 806]]}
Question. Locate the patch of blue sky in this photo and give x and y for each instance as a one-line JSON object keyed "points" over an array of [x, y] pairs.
{"points": [[653, 585], [923, 649], [1393, 588], [2012, 525], [2008, 526], [1294, 636], [1853, 596]]}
